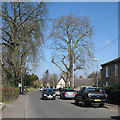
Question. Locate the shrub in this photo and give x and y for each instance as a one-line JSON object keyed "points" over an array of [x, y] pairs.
{"points": [[9, 94], [113, 93]]}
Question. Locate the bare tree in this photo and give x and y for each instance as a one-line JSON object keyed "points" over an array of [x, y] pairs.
{"points": [[94, 76], [46, 77], [72, 38], [22, 34], [53, 79]]}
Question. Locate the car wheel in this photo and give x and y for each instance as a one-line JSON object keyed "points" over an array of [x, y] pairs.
{"points": [[63, 97], [54, 98], [84, 103], [60, 96], [76, 101]]}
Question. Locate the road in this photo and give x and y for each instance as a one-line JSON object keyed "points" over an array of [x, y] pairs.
{"points": [[31, 106]]}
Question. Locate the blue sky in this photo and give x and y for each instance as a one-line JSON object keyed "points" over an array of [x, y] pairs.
{"points": [[104, 18]]}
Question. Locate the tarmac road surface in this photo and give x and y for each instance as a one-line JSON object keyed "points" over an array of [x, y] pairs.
{"points": [[31, 106]]}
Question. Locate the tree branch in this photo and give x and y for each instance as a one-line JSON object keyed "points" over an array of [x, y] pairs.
{"points": [[29, 16], [5, 40], [7, 33], [6, 45], [85, 34], [57, 65], [60, 38], [64, 63], [78, 68]]}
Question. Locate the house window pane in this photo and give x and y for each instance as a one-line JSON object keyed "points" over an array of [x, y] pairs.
{"points": [[116, 70], [107, 75]]}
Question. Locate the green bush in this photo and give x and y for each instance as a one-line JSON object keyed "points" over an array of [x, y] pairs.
{"points": [[9, 94], [113, 93]]}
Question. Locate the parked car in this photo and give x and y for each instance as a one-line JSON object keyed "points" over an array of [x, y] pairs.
{"points": [[91, 95], [48, 94], [57, 92], [67, 93]]}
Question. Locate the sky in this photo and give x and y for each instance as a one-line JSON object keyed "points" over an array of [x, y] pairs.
{"points": [[104, 18]]}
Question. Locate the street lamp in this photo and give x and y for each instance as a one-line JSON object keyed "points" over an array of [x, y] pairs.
{"points": [[94, 59]]}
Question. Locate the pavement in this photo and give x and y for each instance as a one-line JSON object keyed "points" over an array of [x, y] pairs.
{"points": [[112, 106], [2, 105]]}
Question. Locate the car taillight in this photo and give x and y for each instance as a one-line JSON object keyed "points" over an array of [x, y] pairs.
{"points": [[65, 93], [75, 93]]}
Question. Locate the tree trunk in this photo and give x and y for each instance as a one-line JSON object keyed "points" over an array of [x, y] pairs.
{"points": [[70, 72]]}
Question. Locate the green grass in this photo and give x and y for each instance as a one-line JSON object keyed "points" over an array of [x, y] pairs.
{"points": [[32, 89], [6, 102]]}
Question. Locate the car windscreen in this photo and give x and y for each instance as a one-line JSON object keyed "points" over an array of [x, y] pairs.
{"points": [[95, 90], [48, 90], [55, 90]]}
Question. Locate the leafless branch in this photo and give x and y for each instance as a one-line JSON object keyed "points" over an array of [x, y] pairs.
{"points": [[64, 63], [78, 68], [57, 65]]}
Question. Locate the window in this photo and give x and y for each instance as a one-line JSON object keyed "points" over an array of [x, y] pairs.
{"points": [[82, 89], [107, 75], [95, 90], [116, 70]]}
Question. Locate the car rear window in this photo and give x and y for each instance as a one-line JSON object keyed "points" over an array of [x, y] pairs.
{"points": [[95, 90], [69, 90]]}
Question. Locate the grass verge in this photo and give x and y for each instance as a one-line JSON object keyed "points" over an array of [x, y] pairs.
{"points": [[32, 89]]}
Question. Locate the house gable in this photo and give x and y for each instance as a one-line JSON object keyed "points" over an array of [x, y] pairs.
{"points": [[61, 83]]}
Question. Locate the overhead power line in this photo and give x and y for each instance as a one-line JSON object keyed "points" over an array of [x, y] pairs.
{"points": [[104, 18]]}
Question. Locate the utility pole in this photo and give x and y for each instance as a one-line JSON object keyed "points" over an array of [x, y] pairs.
{"points": [[94, 59], [97, 73], [53, 82]]}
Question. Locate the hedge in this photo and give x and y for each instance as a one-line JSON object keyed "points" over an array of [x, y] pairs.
{"points": [[113, 93], [9, 94]]}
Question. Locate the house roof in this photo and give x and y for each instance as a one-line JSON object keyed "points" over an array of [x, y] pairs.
{"points": [[112, 61], [84, 82]]}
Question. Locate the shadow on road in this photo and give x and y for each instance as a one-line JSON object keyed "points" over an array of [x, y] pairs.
{"points": [[47, 99], [90, 106], [65, 98]]}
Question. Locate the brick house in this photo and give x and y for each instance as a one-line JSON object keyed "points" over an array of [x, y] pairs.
{"points": [[110, 72]]}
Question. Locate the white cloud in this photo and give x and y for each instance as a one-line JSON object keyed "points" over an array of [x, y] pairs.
{"points": [[106, 42]]}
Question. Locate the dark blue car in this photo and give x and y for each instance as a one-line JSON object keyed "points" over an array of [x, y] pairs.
{"points": [[48, 94]]}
